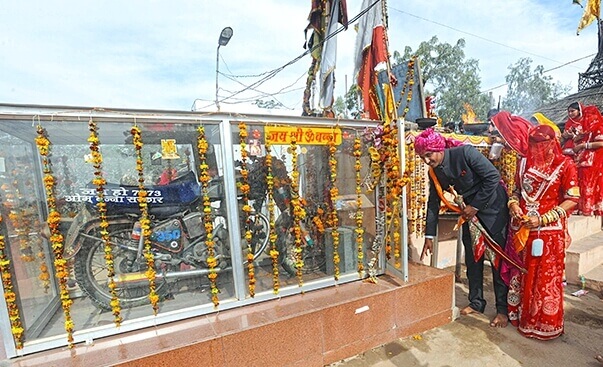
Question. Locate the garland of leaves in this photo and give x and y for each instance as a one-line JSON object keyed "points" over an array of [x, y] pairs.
{"points": [[245, 188], [272, 236], [299, 213], [359, 214], [56, 238], [334, 193], [208, 220], [145, 221], [100, 182], [10, 296]]}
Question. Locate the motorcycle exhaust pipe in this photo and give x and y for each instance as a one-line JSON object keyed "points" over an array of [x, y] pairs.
{"points": [[140, 278]]}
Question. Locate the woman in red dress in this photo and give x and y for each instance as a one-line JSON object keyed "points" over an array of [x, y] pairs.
{"points": [[583, 135], [547, 191]]}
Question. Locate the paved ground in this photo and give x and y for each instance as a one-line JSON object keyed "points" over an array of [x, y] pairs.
{"points": [[470, 341]]}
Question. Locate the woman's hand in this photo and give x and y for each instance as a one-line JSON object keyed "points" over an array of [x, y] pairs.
{"points": [[515, 212], [579, 147], [531, 221]]}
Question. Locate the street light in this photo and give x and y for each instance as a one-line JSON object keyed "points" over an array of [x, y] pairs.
{"points": [[225, 36]]}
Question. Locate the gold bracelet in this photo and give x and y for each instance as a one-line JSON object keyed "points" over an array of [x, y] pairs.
{"points": [[511, 201], [562, 213]]}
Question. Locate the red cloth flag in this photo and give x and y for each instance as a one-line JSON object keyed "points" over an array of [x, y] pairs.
{"points": [[371, 53]]}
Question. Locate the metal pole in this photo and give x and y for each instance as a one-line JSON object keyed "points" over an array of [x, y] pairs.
{"points": [[217, 72]]}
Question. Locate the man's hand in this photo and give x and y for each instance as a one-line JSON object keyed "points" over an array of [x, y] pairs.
{"points": [[427, 248], [468, 212]]}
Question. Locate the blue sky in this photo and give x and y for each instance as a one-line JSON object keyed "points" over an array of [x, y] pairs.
{"points": [[162, 55]]}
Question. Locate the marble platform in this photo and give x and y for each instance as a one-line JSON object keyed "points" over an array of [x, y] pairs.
{"points": [[311, 329]]}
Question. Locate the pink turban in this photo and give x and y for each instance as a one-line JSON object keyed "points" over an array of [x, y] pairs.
{"points": [[431, 141]]}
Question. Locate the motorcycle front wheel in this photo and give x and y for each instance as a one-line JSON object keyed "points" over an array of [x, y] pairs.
{"points": [[91, 270]]}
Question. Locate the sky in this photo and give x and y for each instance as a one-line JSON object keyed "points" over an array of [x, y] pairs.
{"points": [[161, 55]]}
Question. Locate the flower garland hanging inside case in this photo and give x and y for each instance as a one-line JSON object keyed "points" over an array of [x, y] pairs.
{"points": [[56, 237], [145, 221], [10, 297], [334, 193], [208, 220], [272, 236], [245, 189], [359, 214], [99, 181]]}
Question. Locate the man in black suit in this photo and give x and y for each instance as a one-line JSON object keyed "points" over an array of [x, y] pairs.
{"points": [[471, 175]]}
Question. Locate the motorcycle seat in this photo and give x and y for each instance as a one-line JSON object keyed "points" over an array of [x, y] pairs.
{"points": [[162, 200]]}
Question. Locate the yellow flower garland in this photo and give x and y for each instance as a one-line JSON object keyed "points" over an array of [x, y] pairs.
{"points": [[244, 187], [334, 193], [359, 214], [56, 238], [208, 220], [10, 296], [299, 214], [274, 253], [99, 181], [145, 221]]}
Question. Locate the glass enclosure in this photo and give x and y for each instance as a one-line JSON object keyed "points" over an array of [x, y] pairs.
{"points": [[162, 216]]}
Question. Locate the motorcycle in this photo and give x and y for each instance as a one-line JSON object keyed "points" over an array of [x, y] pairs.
{"points": [[178, 239]]}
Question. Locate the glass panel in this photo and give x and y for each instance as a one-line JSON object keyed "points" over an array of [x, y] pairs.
{"points": [[23, 216], [314, 224], [170, 163]]}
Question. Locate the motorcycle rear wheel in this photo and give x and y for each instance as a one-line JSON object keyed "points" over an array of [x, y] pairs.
{"points": [[91, 271]]}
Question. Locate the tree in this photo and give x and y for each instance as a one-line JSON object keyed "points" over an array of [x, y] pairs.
{"points": [[528, 90], [446, 74], [347, 106]]}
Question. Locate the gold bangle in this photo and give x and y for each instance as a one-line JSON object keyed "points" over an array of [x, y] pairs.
{"points": [[512, 201]]}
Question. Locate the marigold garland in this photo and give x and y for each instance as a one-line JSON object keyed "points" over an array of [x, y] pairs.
{"points": [[272, 236], [56, 238], [334, 193], [10, 296], [359, 214], [299, 214], [99, 181], [407, 87], [208, 220], [244, 187], [145, 221]]}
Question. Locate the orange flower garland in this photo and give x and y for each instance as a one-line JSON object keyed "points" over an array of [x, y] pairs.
{"points": [[244, 187], [299, 214], [56, 238], [407, 87], [334, 193], [145, 221], [99, 181], [9, 294], [208, 220], [274, 253], [359, 214]]}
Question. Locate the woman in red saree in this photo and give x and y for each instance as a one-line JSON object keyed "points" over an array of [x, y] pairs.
{"points": [[583, 135], [547, 191]]}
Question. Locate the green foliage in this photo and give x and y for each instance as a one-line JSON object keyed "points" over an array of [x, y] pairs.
{"points": [[347, 107], [450, 77], [529, 89]]}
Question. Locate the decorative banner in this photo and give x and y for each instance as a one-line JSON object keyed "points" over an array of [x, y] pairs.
{"points": [[168, 149], [302, 135]]}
